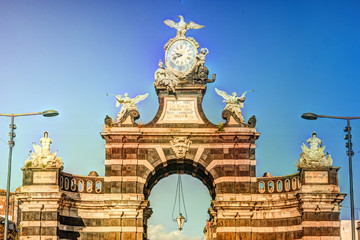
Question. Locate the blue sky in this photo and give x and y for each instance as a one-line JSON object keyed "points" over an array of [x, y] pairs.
{"points": [[299, 56]]}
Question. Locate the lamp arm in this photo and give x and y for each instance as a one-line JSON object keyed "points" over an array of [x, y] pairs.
{"points": [[337, 117], [20, 114]]}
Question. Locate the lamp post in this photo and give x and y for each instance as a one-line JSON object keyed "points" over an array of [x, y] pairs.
{"points": [[350, 153], [47, 113]]}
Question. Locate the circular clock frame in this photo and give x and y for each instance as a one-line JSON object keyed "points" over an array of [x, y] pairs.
{"points": [[180, 57]]}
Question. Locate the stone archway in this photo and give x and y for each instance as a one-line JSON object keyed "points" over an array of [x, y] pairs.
{"points": [[180, 167], [166, 205], [244, 206], [304, 205], [139, 156]]}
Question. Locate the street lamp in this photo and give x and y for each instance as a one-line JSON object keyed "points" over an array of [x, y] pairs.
{"points": [[47, 113], [180, 221], [350, 153], [179, 193]]}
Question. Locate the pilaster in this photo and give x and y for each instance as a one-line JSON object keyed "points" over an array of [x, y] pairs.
{"points": [[320, 199], [39, 199]]}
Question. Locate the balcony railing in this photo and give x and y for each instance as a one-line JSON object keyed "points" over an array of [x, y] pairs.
{"points": [[280, 184], [81, 184]]}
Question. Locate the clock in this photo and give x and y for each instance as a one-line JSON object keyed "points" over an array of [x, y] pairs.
{"points": [[180, 56]]}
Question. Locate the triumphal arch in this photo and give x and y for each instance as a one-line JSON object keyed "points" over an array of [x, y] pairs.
{"points": [[180, 140]]}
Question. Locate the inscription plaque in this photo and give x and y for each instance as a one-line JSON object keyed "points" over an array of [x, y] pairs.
{"points": [[183, 110], [44, 177], [316, 177]]}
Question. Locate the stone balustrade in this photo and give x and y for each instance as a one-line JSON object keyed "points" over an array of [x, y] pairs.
{"points": [[279, 184], [81, 184]]}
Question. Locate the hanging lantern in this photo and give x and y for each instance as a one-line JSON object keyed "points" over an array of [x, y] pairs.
{"points": [[180, 221], [179, 198]]}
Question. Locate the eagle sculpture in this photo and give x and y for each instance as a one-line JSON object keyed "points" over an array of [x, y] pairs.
{"points": [[182, 26]]}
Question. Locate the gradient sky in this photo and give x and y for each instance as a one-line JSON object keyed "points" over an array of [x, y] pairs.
{"points": [[299, 56]]}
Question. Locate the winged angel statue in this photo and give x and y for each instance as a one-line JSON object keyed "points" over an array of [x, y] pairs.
{"points": [[182, 26], [128, 104], [42, 156], [233, 102]]}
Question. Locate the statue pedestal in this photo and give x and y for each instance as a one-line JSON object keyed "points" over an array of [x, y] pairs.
{"points": [[320, 197], [40, 198], [41, 176]]}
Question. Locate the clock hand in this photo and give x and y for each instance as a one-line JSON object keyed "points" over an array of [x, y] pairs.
{"points": [[177, 56]]}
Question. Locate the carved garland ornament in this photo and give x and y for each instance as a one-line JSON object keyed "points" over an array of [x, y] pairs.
{"points": [[180, 146]]}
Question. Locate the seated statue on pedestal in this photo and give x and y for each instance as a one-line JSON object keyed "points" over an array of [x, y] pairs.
{"points": [[314, 156], [43, 157]]}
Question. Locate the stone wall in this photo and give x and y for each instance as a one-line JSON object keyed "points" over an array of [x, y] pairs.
{"points": [[3, 204], [346, 229]]}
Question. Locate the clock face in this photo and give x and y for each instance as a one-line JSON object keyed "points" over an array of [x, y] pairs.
{"points": [[181, 56]]}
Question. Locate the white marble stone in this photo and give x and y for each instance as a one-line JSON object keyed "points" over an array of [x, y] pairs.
{"points": [[44, 177], [314, 156], [316, 177], [42, 157], [183, 110]]}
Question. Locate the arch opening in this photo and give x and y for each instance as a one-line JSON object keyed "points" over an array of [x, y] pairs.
{"points": [[161, 224], [184, 166]]}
